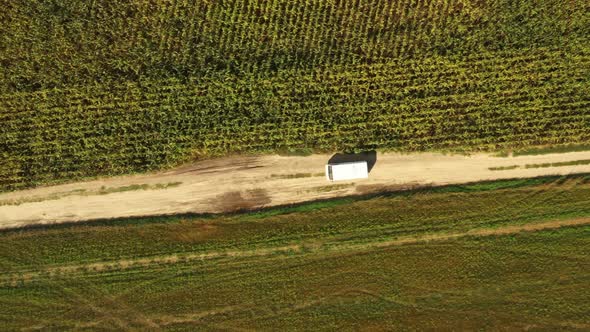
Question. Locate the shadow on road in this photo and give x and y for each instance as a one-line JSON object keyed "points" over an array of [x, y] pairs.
{"points": [[369, 156]]}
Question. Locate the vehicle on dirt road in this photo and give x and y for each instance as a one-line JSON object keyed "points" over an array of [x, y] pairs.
{"points": [[347, 171]]}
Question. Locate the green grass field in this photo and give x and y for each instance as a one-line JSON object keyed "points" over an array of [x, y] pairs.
{"points": [[425, 258], [105, 88]]}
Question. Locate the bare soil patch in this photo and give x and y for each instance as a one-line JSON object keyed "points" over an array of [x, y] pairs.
{"points": [[236, 200]]}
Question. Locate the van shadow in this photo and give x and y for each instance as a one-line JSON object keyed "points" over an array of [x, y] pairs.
{"points": [[369, 156]]}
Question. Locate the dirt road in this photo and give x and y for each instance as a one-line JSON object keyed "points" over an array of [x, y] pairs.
{"points": [[251, 182]]}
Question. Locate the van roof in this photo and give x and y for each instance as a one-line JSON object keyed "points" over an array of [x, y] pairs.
{"points": [[347, 171]]}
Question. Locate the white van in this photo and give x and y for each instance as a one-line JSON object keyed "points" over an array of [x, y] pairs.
{"points": [[347, 171]]}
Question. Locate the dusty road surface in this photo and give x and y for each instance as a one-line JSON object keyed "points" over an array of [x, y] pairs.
{"points": [[251, 182]]}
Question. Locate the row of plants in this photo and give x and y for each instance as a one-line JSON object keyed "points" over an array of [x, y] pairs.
{"points": [[76, 42], [444, 103]]}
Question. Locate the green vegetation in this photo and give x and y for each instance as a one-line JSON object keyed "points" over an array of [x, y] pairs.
{"points": [[558, 164], [104, 190], [294, 176], [77, 43], [504, 168], [408, 105], [552, 149], [50, 197], [419, 211], [94, 88], [543, 165], [105, 88], [299, 152], [392, 260]]}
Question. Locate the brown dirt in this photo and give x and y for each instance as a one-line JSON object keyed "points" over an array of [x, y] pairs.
{"points": [[236, 200], [365, 189], [238, 183]]}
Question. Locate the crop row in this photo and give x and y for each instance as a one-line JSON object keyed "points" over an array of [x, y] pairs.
{"points": [[77, 42], [404, 77], [459, 104]]}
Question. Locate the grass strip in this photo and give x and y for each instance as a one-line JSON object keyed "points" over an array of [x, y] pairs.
{"points": [[552, 149], [559, 164]]}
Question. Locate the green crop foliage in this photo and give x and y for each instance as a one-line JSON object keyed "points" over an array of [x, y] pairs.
{"points": [[316, 265], [544, 165], [65, 42], [104, 88], [551, 149], [477, 103]]}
